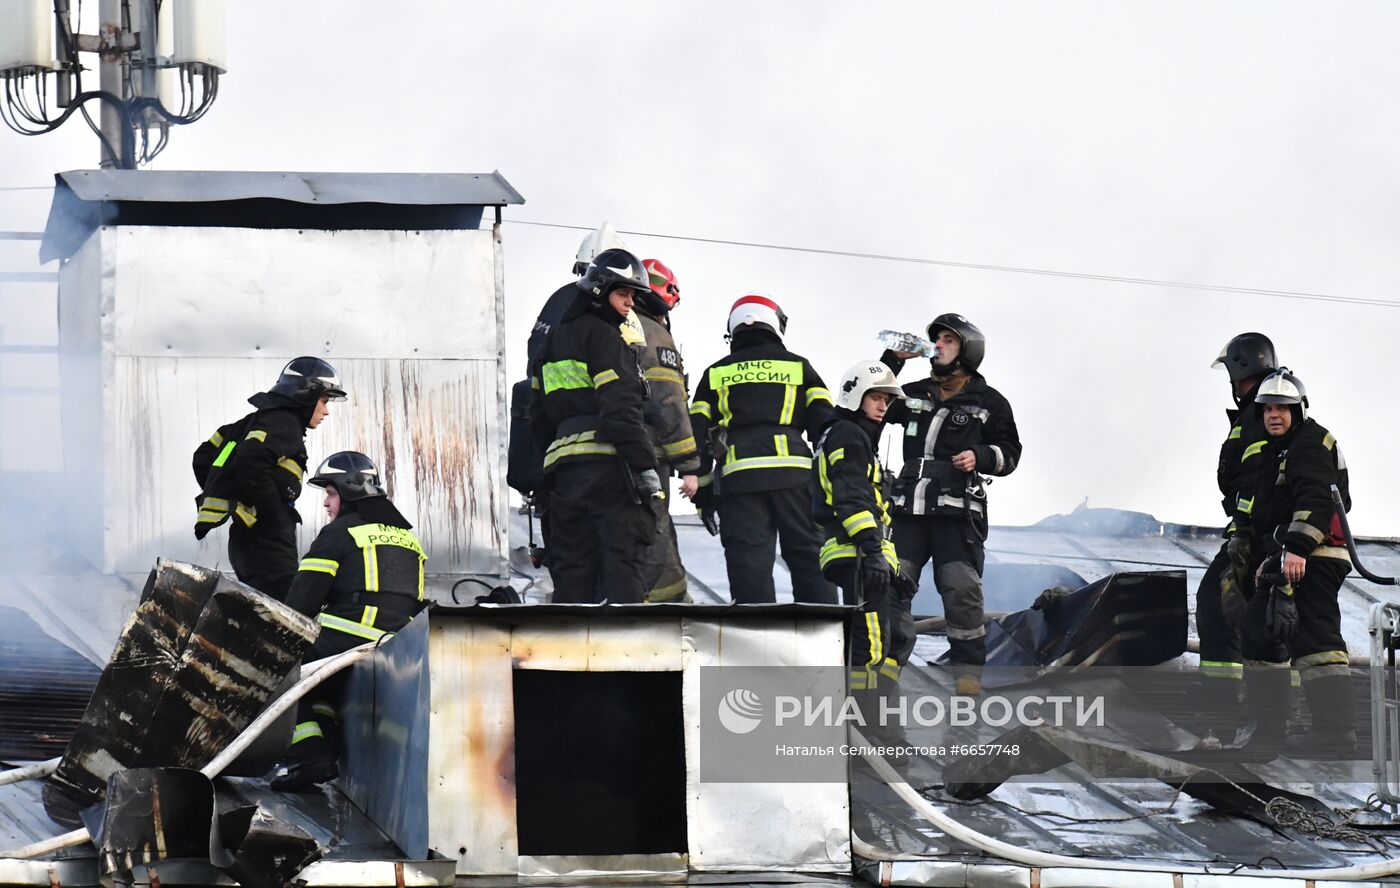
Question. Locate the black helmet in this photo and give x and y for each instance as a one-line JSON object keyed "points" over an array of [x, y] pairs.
{"points": [[352, 474], [973, 343], [611, 269], [306, 379], [1282, 387], [1246, 356]]}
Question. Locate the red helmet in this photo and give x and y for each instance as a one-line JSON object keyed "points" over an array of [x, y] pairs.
{"points": [[663, 282], [758, 310]]}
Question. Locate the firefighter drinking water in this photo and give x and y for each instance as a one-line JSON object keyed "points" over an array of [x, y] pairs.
{"points": [[956, 429]]}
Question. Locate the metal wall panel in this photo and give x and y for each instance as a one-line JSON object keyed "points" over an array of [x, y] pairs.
{"points": [[635, 645], [166, 332], [763, 826], [471, 747], [245, 293]]}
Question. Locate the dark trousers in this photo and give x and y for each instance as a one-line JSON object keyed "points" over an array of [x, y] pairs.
{"points": [[749, 526], [957, 571], [264, 557], [598, 535], [1221, 664], [871, 659], [318, 713], [1318, 649], [663, 574]]}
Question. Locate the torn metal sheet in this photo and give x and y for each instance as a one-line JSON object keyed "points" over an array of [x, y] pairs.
{"points": [[1125, 619], [195, 664]]}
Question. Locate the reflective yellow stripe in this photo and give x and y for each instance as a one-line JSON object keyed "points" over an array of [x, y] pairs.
{"points": [[1307, 530], [725, 414], [684, 447], [248, 514], [861, 520], [701, 408], [216, 439], [1302, 515], [780, 444], [320, 565], [369, 616], [1340, 553], [766, 462], [305, 731], [213, 503], [566, 375], [535, 383], [1328, 441], [667, 592], [1221, 669], [763, 370], [789, 405], [665, 374], [890, 669], [582, 444], [324, 710], [1320, 659], [371, 568], [349, 627], [203, 516], [292, 466], [256, 435], [1236, 432], [877, 647], [705, 480], [1246, 505], [1253, 450], [836, 455], [816, 393], [604, 377], [224, 454]]}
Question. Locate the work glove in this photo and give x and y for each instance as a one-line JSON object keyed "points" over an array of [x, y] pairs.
{"points": [[874, 575], [1239, 551], [1050, 599], [1232, 600], [905, 585], [648, 484], [1281, 616], [709, 517]]}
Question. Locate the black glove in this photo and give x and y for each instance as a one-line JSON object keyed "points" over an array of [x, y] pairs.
{"points": [[1049, 599], [648, 484], [1281, 616], [1232, 600], [874, 574], [905, 586]]}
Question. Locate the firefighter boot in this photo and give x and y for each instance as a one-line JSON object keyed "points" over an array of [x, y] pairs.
{"points": [[1333, 731], [1220, 706], [1267, 694], [310, 762]]}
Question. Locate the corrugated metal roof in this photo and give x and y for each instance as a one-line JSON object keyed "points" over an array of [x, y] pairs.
{"points": [[44, 689], [186, 186]]}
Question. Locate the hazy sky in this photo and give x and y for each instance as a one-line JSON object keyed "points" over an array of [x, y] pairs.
{"points": [[1243, 144]]}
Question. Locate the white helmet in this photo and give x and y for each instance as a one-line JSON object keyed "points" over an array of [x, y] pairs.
{"points": [[756, 309], [1282, 387], [605, 238], [867, 376]]}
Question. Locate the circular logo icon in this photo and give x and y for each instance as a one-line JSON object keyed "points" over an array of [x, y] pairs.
{"points": [[740, 711], [960, 418]]}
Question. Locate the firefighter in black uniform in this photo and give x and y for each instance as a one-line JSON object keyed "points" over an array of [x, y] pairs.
{"points": [[957, 428], [1248, 358], [362, 579], [251, 471], [668, 419], [749, 414], [586, 414], [852, 507], [1292, 611]]}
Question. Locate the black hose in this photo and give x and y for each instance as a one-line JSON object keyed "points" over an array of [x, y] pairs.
{"points": [[1351, 542]]}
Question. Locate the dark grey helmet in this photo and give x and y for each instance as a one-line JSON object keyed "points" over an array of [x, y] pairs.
{"points": [[306, 379], [611, 269], [1247, 355], [974, 344], [353, 475]]}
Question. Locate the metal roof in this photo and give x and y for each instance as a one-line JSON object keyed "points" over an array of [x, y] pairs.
{"points": [[184, 186]]}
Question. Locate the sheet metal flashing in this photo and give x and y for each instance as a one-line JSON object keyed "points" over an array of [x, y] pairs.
{"points": [[738, 612]]}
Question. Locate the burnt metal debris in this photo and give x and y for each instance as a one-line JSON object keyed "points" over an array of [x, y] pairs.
{"points": [[195, 664]]}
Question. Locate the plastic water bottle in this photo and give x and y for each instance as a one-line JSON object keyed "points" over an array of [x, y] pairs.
{"points": [[907, 342]]}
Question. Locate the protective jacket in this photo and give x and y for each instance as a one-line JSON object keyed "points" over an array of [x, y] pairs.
{"points": [[852, 497], [588, 393], [253, 468], [978, 418], [1240, 457], [758, 401], [665, 410], [360, 577], [1292, 504]]}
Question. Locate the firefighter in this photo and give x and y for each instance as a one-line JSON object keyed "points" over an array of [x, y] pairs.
{"points": [[587, 416], [957, 429], [251, 471], [852, 507], [669, 422], [1247, 358], [750, 411], [1302, 560], [362, 579]]}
